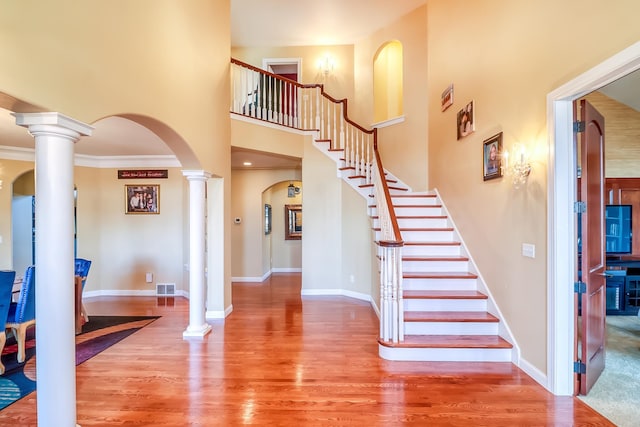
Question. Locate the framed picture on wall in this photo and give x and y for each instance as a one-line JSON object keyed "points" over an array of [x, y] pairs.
{"points": [[492, 157], [466, 122], [142, 199], [446, 99]]}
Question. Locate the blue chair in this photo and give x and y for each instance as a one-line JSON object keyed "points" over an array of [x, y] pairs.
{"points": [[6, 292], [22, 314], [82, 270]]}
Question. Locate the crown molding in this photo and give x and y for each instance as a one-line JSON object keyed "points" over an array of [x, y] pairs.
{"points": [[101, 162]]}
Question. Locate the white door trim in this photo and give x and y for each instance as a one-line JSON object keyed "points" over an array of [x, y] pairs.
{"points": [[561, 231], [268, 62]]}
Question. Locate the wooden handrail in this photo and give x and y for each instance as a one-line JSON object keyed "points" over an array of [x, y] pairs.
{"points": [[387, 196]]}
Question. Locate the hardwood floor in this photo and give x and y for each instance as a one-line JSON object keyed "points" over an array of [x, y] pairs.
{"points": [[283, 360]]}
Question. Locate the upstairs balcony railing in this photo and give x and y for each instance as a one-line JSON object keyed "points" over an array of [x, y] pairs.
{"points": [[265, 96]]}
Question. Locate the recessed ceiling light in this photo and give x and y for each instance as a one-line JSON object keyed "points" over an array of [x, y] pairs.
{"points": [[247, 163]]}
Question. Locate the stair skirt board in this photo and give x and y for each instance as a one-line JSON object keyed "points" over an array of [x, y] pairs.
{"points": [[445, 354]]}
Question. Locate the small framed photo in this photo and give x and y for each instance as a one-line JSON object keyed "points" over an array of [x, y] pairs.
{"points": [[142, 199], [446, 100], [492, 157], [466, 122]]}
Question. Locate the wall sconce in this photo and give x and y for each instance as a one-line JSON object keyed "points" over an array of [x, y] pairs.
{"points": [[292, 190], [518, 166], [326, 65]]}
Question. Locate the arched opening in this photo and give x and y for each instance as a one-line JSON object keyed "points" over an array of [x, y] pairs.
{"points": [[387, 82], [279, 253]]}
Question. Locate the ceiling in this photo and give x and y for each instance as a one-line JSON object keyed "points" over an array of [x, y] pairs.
{"points": [[304, 23]]}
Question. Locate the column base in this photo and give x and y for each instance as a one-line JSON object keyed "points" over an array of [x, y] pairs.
{"points": [[196, 332]]}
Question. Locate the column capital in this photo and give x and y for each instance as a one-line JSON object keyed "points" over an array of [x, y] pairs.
{"points": [[196, 175], [50, 121]]}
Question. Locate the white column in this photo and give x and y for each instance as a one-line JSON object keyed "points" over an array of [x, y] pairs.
{"points": [[198, 326], [55, 136]]}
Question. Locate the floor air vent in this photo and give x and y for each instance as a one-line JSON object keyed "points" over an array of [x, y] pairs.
{"points": [[166, 289]]}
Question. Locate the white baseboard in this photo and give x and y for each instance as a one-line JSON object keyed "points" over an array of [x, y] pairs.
{"points": [[217, 314], [341, 292], [129, 293], [252, 279], [286, 270], [537, 375]]}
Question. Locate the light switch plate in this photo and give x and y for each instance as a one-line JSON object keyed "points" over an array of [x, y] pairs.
{"points": [[529, 250]]}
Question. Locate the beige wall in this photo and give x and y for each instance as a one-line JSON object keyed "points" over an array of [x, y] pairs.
{"points": [[122, 247], [125, 247], [403, 146], [507, 56], [158, 69]]}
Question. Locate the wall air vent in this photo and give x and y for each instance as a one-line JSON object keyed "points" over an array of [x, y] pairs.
{"points": [[165, 289]]}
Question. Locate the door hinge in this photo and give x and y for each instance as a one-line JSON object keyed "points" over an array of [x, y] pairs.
{"points": [[578, 126], [579, 207], [579, 367], [579, 287]]}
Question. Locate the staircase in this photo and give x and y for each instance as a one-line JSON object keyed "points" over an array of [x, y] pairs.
{"points": [[433, 305], [446, 316]]}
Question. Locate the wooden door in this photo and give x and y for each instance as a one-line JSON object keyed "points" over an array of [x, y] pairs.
{"points": [[593, 302]]}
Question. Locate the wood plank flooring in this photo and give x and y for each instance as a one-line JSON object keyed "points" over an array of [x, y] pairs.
{"points": [[283, 360]]}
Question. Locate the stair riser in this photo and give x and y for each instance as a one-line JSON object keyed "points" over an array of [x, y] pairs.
{"points": [[440, 284], [427, 236], [445, 354], [417, 211], [450, 328], [427, 250], [422, 222], [417, 222], [434, 266], [445, 305], [403, 201]]}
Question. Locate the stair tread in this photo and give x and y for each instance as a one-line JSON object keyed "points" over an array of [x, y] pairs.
{"points": [[426, 228], [414, 195], [409, 206], [399, 217], [434, 258], [412, 243], [449, 316], [421, 216], [439, 275], [425, 294], [450, 341]]}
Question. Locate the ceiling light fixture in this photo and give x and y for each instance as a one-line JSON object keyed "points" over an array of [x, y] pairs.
{"points": [[247, 163]]}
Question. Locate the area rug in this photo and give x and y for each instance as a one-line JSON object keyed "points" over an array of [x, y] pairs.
{"points": [[616, 394], [100, 333]]}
